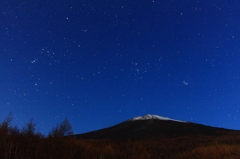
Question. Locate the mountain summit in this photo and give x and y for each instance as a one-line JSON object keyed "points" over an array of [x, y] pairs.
{"points": [[150, 116]]}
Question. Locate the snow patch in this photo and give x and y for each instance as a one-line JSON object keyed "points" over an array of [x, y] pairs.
{"points": [[149, 116]]}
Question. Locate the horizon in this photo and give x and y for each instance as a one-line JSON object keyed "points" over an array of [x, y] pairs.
{"points": [[158, 117]]}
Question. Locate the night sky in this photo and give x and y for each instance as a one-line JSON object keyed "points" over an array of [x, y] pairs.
{"points": [[99, 63]]}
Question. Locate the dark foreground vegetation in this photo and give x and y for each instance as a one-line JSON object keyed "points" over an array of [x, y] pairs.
{"points": [[26, 143]]}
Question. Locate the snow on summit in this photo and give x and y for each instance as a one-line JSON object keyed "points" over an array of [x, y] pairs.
{"points": [[149, 116]]}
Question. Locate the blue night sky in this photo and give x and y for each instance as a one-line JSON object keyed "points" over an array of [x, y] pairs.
{"points": [[99, 63]]}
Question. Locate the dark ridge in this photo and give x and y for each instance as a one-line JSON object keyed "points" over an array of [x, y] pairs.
{"points": [[153, 128]]}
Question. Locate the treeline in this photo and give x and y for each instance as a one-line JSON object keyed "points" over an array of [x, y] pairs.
{"points": [[60, 143], [27, 143]]}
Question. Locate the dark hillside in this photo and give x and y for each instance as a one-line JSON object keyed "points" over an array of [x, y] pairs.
{"points": [[146, 129]]}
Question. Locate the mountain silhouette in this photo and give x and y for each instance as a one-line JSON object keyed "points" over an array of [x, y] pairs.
{"points": [[153, 126]]}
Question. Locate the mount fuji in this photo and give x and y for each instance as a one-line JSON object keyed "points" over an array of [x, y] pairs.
{"points": [[151, 127]]}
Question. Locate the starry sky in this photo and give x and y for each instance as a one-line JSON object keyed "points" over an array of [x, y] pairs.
{"points": [[99, 63]]}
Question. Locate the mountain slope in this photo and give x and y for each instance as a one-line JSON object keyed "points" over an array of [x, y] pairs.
{"points": [[152, 126]]}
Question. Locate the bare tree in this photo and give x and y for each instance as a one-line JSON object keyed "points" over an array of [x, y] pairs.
{"points": [[63, 129], [29, 128], [5, 125], [8, 135]]}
